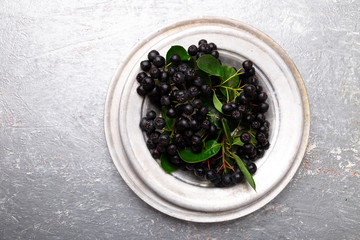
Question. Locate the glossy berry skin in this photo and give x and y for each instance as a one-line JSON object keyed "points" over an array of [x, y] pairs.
{"points": [[155, 73], [203, 111], [161, 149], [247, 64], [236, 115], [141, 91], [242, 99], [182, 68], [159, 61], [178, 78], [253, 80], [154, 137], [165, 101], [175, 59], [171, 149], [188, 109], [212, 46], [226, 180], [140, 76], [206, 89], [248, 148], [190, 74], [192, 50], [155, 154], [151, 115], [250, 72], [182, 96], [227, 108], [199, 172], [171, 71], [251, 168], [149, 126], [194, 124], [164, 140], [202, 41], [145, 65], [148, 83], [255, 124], [152, 54], [193, 91], [164, 77], [213, 130], [171, 113], [245, 137], [206, 124], [261, 97], [165, 89], [263, 107], [196, 140], [210, 174], [198, 81], [237, 177], [183, 124], [260, 117], [159, 123], [250, 91], [150, 144], [197, 103], [176, 160], [215, 54]]}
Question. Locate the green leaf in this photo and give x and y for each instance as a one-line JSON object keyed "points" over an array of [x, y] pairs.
{"points": [[229, 81], [237, 141], [204, 77], [245, 171], [179, 50], [169, 121], [217, 104], [212, 147], [166, 165], [213, 114], [210, 64], [227, 131]]}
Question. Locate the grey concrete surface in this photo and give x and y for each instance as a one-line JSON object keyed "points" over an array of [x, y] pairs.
{"points": [[57, 180]]}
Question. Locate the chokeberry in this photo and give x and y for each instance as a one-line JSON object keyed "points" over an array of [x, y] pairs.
{"points": [[259, 89], [260, 137], [190, 74], [245, 137], [140, 76], [213, 130], [170, 71], [154, 137], [236, 114], [215, 54], [197, 103], [255, 124], [261, 97], [164, 77], [171, 149], [155, 154], [253, 80], [182, 96], [148, 83], [248, 147], [161, 148], [199, 172], [192, 50], [198, 81], [154, 93], [196, 140], [251, 168], [242, 108], [159, 61], [237, 177], [212, 46], [164, 140], [203, 111], [210, 174], [150, 144], [260, 152], [175, 159], [260, 117], [178, 78], [202, 41], [193, 91], [141, 91], [151, 115], [227, 108], [149, 126], [206, 124], [182, 68], [226, 180], [194, 125], [188, 109], [159, 123], [242, 99], [152, 54], [249, 118], [154, 73], [165, 89], [165, 101], [188, 133], [171, 113], [206, 89], [249, 91], [247, 64], [263, 107], [175, 59], [182, 124], [250, 72], [145, 65]]}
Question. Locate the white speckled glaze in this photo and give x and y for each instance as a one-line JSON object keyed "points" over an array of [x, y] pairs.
{"points": [[178, 194]]}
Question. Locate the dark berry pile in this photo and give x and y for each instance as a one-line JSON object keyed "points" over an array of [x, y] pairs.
{"points": [[212, 120]]}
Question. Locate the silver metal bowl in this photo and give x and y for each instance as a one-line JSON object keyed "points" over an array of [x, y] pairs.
{"points": [[179, 194]]}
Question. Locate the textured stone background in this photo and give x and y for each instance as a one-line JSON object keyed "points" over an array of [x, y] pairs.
{"points": [[57, 180]]}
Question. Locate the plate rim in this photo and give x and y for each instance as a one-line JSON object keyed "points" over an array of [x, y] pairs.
{"points": [[303, 93]]}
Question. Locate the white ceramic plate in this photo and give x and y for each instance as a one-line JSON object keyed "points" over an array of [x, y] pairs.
{"points": [[179, 194]]}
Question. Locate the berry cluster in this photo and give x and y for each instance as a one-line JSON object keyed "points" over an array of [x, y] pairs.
{"points": [[187, 123]]}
